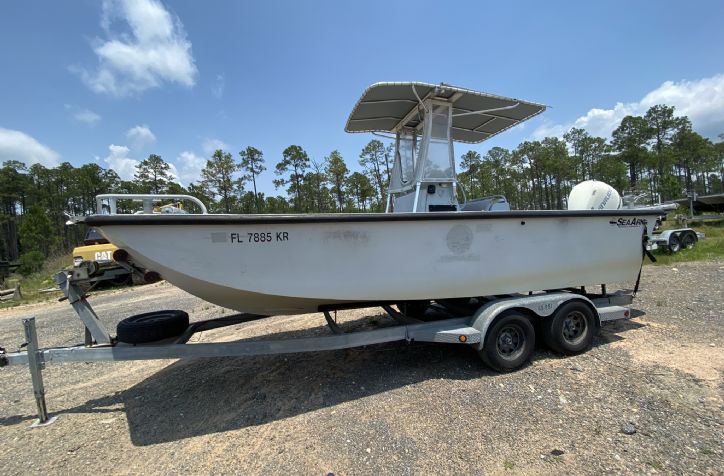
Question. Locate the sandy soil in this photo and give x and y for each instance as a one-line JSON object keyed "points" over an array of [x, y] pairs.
{"points": [[393, 408]]}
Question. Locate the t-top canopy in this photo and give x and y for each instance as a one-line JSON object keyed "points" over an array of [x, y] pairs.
{"points": [[387, 107]]}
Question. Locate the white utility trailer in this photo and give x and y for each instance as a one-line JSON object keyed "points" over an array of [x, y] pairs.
{"points": [[674, 240], [502, 329]]}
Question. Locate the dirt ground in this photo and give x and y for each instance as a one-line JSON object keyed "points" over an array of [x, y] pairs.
{"points": [[393, 408]]}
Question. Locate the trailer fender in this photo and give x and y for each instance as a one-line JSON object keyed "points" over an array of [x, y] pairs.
{"points": [[541, 305]]}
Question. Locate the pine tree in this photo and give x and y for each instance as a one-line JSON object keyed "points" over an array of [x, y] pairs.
{"points": [[294, 162], [217, 178], [153, 175], [337, 172], [252, 162]]}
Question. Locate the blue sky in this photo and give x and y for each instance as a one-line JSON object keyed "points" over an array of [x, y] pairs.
{"points": [[115, 81]]}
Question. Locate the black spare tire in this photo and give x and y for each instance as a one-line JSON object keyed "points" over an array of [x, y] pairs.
{"points": [[152, 326]]}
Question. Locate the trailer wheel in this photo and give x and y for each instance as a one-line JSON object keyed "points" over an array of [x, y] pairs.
{"points": [[152, 326], [688, 240], [570, 330], [674, 244], [509, 343]]}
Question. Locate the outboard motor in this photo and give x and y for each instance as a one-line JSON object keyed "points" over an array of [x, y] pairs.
{"points": [[594, 195]]}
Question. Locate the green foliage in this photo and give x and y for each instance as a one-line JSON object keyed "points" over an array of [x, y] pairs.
{"points": [[375, 160], [612, 170], [31, 262], [664, 126], [152, 175], [360, 191], [32, 284], [37, 232], [277, 205], [252, 162], [295, 162], [587, 151], [337, 172], [217, 179], [629, 140]]}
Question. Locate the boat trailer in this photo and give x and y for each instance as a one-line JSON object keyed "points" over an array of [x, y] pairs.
{"points": [[493, 326]]}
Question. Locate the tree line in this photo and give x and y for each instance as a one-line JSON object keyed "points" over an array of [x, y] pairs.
{"points": [[657, 152]]}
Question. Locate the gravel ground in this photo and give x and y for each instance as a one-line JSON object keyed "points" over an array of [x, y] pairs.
{"points": [[393, 408]]}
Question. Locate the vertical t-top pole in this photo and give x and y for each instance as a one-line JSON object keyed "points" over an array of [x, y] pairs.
{"points": [[36, 373]]}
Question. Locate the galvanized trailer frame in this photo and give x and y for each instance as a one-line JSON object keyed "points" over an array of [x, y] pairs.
{"points": [[99, 345], [674, 240]]}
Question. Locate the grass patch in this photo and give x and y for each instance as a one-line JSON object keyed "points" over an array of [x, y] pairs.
{"points": [[30, 286], [710, 248]]}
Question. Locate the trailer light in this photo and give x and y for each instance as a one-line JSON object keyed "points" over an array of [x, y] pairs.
{"points": [[626, 313], [463, 339]]}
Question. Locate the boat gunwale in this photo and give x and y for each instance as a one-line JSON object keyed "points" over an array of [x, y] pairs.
{"points": [[229, 219]]}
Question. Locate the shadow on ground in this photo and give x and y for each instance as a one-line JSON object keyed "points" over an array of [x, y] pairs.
{"points": [[197, 397]]}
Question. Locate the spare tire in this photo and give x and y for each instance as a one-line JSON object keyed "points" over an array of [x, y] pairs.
{"points": [[152, 326]]}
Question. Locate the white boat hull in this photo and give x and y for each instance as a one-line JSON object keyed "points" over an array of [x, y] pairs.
{"points": [[288, 266]]}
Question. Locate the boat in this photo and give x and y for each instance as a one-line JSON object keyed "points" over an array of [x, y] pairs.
{"points": [[426, 246]]}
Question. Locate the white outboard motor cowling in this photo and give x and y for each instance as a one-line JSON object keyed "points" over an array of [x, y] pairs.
{"points": [[594, 195]]}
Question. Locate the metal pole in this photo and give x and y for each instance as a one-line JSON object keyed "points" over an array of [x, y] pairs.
{"points": [[417, 197], [36, 372]]}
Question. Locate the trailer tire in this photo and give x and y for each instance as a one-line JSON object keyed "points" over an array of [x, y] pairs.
{"points": [[152, 326], [688, 240], [509, 342], [674, 244], [570, 329]]}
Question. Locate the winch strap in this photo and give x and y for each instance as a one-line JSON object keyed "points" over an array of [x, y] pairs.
{"points": [[644, 240], [651, 256]]}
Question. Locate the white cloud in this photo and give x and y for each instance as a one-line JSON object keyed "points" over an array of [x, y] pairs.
{"points": [[16, 145], [86, 116], [218, 88], [189, 167], [119, 161], [211, 145], [140, 136], [151, 51], [701, 100]]}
